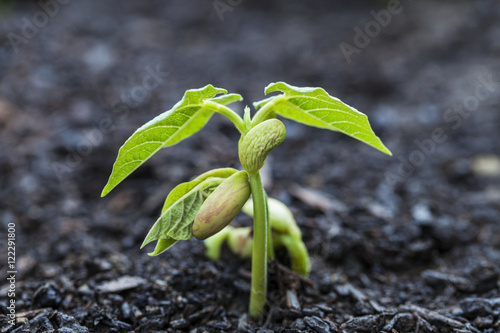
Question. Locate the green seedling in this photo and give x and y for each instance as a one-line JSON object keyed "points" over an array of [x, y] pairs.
{"points": [[203, 208]]}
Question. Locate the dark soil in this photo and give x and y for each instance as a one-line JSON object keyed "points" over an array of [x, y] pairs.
{"points": [[403, 244]]}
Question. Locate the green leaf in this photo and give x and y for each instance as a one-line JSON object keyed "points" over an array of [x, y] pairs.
{"points": [[178, 192], [176, 195], [315, 107], [257, 105], [185, 118], [227, 99], [163, 245], [217, 173], [180, 209]]}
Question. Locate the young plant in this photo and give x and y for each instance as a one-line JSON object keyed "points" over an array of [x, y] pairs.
{"points": [[204, 206]]}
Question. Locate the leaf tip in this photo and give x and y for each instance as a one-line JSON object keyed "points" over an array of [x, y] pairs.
{"points": [[385, 150], [210, 87], [273, 86], [145, 242], [105, 191], [237, 97], [161, 246]]}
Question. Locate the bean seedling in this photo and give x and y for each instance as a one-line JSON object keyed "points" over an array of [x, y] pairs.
{"points": [[205, 206]]}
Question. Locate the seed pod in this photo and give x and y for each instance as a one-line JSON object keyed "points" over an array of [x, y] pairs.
{"points": [[220, 208], [258, 142]]}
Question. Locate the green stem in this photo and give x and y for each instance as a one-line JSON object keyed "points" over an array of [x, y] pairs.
{"points": [[270, 247], [259, 256], [266, 111], [225, 111], [298, 254]]}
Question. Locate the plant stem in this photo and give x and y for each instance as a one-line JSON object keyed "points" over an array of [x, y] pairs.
{"points": [[298, 254], [270, 247], [259, 255], [225, 111], [265, 111]]}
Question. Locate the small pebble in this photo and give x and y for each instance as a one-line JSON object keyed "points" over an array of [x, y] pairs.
{"points": [[299, 324], [475, 307], [312, 312], [125, 310], [435, 278], [47, 296], [291, 300], [121, 284], [361, 324], [221, 325], [486, 165], [324, 308], [317, 324], [325, 284], [84, 289], [179, 323], [421, 213], [242, 285], [136, 312], [68, 324], [484, 322]]}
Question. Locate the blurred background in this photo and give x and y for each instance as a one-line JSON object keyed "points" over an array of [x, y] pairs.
{"points": [[78, 77]]}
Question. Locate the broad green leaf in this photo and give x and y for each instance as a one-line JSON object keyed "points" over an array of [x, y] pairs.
{"points": [[315, 107], [176, 220], [185, 118]]}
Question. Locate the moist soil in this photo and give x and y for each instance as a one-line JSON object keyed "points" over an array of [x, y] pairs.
{"points": [[408, 243]]}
